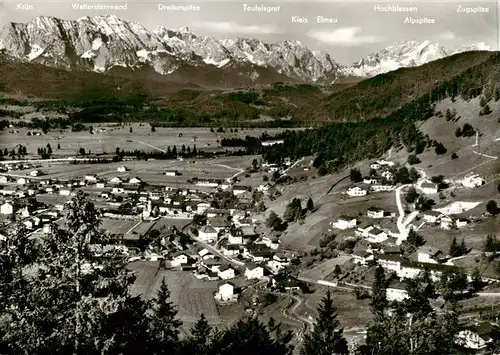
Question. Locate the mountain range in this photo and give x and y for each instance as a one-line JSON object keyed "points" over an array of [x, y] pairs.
{"points": [[104, 43]]}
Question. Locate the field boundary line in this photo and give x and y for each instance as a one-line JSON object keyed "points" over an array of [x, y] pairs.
{"points": [[135, 226], [151, 146], [474, 167], [154, 279], [485, 155]]}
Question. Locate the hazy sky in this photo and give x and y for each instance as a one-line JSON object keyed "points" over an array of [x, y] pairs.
{"points": [[357, 29]]}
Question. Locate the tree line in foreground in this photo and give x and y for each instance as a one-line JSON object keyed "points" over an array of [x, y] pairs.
{"points": [[66, 294]]}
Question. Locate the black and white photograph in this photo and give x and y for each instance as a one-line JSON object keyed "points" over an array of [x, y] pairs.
{"points": [[249, 178]]}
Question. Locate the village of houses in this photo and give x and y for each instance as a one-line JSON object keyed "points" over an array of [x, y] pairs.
{"points": [[229, 245]]}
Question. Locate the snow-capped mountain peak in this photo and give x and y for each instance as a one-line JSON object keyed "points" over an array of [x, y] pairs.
{"points": [[404, 54], [102, 42]]}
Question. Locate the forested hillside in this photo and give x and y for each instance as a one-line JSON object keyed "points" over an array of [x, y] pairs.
{"points": [[337, 144], [90, 97]]}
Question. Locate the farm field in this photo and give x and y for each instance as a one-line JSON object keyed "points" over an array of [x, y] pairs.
{"points": [[52, 200], [325, 268], [113, 136], [192, 297], [306, 235], [466, 163], [352, 313], [146, 272], [119, 226], [474, 235], [151, 171]]}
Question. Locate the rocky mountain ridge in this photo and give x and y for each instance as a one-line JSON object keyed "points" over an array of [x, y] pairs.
{"points": [[100, 43]]}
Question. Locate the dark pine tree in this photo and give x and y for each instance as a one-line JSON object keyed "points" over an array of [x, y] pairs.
{"points": [[327, 337], [199, 341], [310, 204], [356, 175], [164, 322], [379, 296]]}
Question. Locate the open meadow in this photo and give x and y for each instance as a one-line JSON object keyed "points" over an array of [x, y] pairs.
{"points": [[119, 226], [150, 171], [321, 270], [352, 313], [192, 296], [107, 137]]}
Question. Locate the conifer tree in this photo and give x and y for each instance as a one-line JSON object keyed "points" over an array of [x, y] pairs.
{"points": [[249, 336], [77, 302], [379, 295], [164, 322], [454, 248], [310, 204], [477, 281], [199, 341], [326, 338]]}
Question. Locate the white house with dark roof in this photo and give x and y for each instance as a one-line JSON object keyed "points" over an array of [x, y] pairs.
{"points": [[356, 191], [396, 292], [134, 180], [478, 336], [363, 229], [91, 178], [179, 259], [226, 272], [235, 237], [370, 180], [429, 255], [207, 234], [271, 241], [428, 188], [361, 257], [226, 293], [431, 216], [472, 181], [446, 222], [385, 163], [376, 235], [390, 262], [345, 222], [237, 190], [171, 173], [212, 264], [202, 207], [253, 271], [230, 249], [115, 180], [381, 187], [375, 212]]}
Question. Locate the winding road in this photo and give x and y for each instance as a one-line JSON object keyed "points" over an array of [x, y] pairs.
{"points": [[403, 221]]}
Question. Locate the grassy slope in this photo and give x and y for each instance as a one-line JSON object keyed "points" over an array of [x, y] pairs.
{"points": [[381, 95]]}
